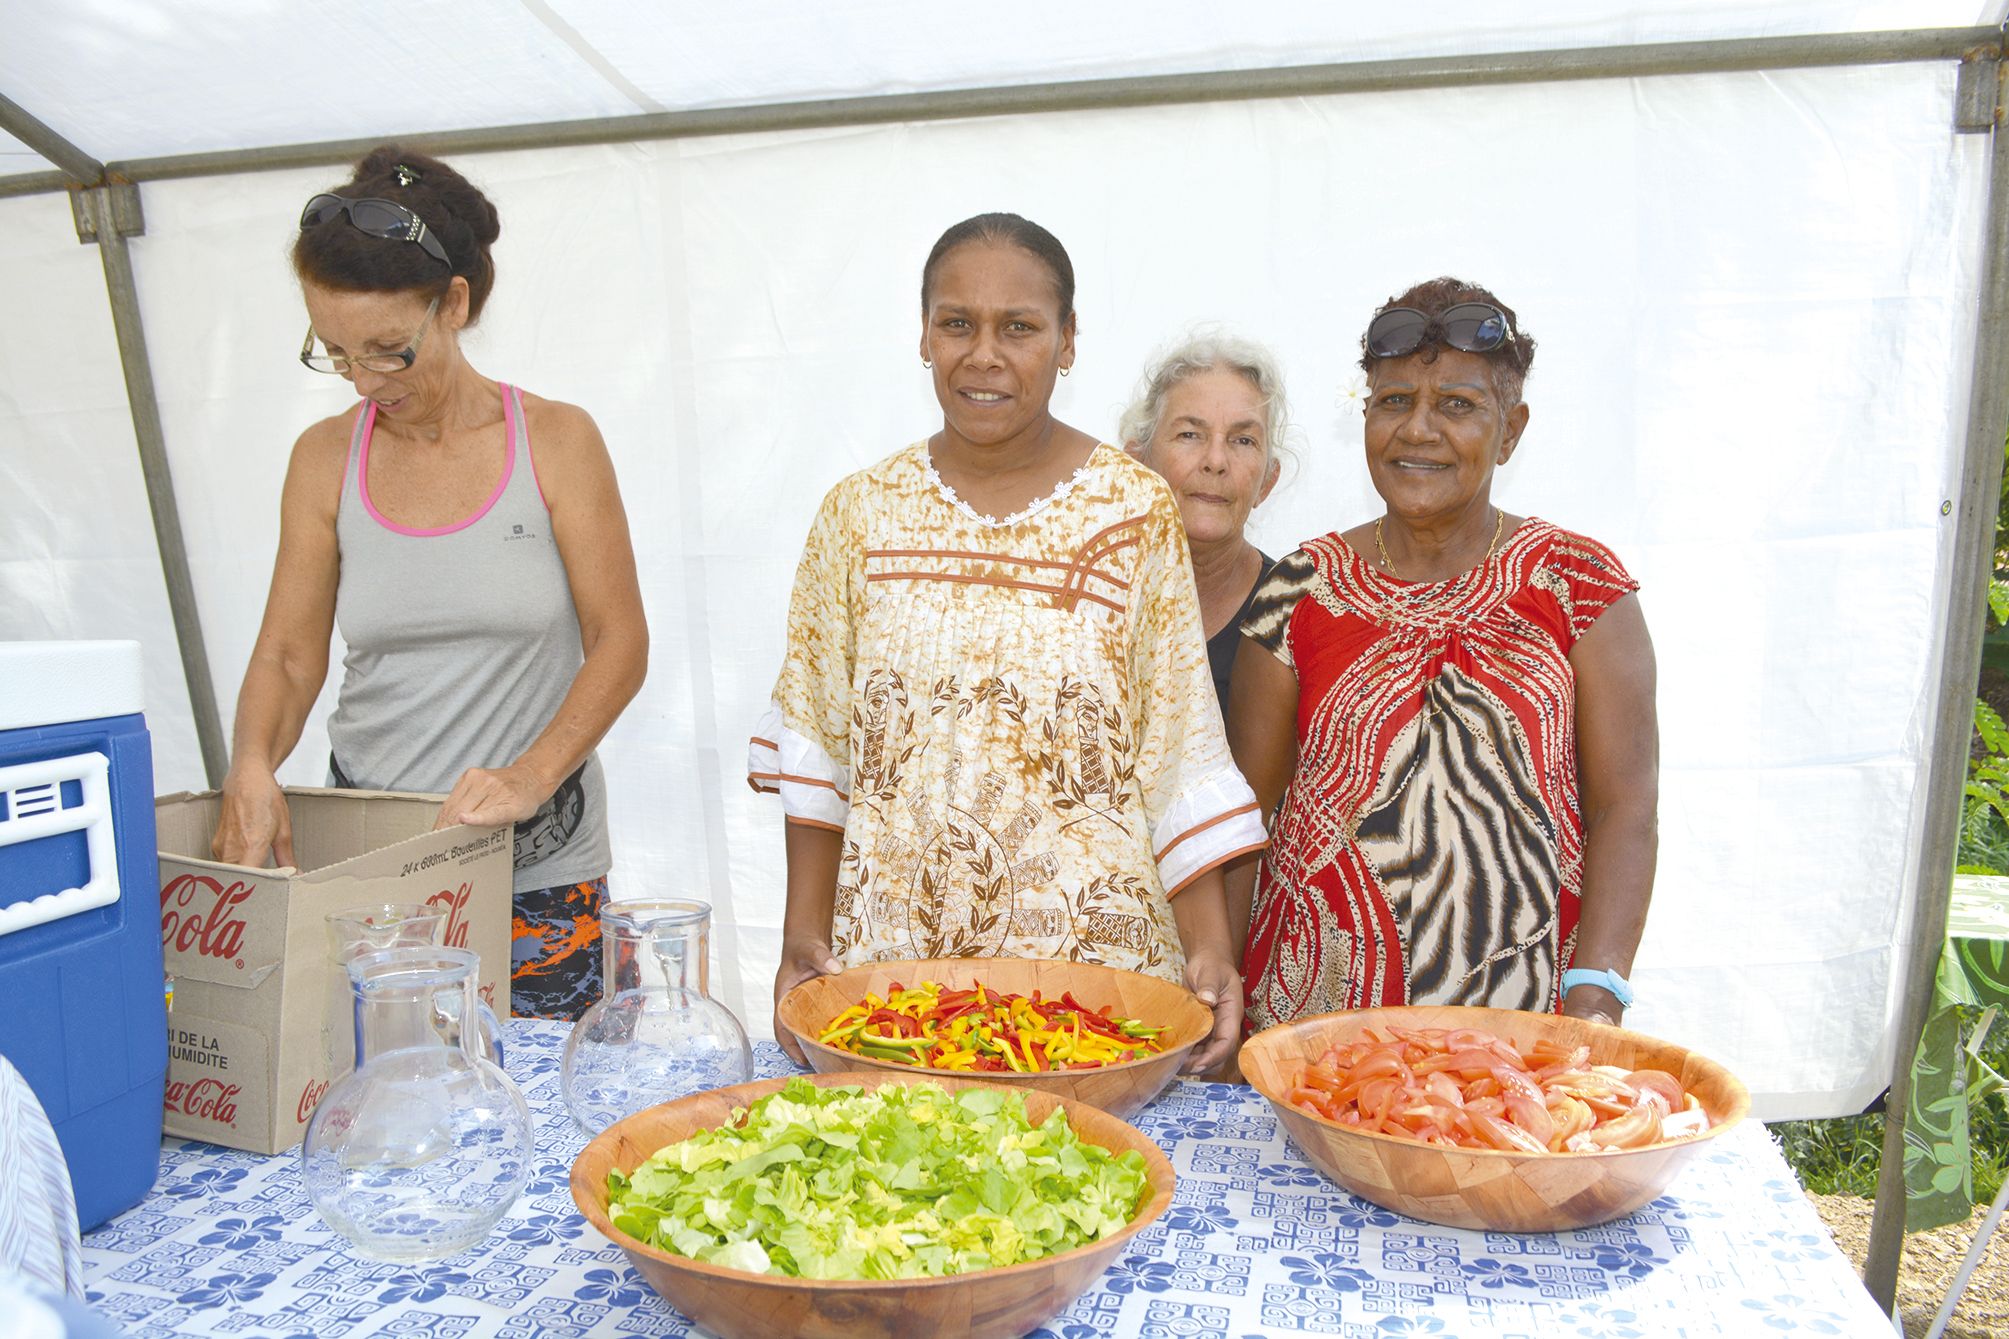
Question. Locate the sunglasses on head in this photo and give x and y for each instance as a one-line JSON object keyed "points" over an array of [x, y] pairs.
{"points": [[378, 218], [1475, 327]]}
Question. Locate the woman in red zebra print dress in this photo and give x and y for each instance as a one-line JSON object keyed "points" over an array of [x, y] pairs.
{"points": [[1447, 715]]}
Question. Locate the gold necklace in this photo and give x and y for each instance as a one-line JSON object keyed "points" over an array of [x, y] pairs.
{"points": [[1499, 527]]}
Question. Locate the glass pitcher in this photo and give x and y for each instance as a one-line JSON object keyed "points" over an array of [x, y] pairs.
{"points": [[656, 1035], [421, 1150], [366, 929]]}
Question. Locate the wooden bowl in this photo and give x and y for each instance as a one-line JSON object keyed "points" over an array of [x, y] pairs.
{"points": [[1121, 1089], [731, 1303], [1510, 1192]]}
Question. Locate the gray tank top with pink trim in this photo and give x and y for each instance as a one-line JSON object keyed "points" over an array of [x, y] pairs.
{"points": [[462, 642]]}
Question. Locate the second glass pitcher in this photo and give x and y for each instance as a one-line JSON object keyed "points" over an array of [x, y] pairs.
{"points": [[657, 1034]]}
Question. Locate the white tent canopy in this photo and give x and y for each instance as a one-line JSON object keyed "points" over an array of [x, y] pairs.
{"points": [[1757, 292], [127, 79]]}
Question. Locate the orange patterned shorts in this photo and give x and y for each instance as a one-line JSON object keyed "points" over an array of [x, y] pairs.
{"points": [[555, 951]]}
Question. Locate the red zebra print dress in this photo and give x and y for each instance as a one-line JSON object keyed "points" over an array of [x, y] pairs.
{"points": [[1429, 848]]}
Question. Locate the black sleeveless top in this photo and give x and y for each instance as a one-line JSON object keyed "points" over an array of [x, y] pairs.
{"points": [[1224, 645]]}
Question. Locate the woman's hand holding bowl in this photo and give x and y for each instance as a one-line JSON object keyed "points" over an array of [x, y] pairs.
{"points": [[801, 960], [1593, 1004], [1211, 976]]}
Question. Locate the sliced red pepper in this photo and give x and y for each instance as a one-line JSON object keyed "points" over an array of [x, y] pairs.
{"points": [[1094, 1018], [900, 1023], [1097, 1023]]}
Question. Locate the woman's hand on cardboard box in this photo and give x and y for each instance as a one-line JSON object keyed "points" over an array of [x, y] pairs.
{"points": [[489, 797], [254, 828]]}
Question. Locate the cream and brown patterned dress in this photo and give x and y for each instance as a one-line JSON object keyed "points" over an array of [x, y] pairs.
{"points": [[1011, 722]]}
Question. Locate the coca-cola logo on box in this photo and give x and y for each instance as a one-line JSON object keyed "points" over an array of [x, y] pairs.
{"points": [[205, 1099], [454, 901], [199, 914], [310, 1097]]}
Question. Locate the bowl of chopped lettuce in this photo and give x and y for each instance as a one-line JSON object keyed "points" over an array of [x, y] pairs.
{"points": [[1089, 1034], [871, 1203]]}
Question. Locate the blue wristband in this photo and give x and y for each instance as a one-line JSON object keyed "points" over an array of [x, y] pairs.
{"points": [[1597, 976]]}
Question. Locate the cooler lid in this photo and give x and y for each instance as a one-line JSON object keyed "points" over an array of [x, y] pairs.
{"points": [[53, 683]]}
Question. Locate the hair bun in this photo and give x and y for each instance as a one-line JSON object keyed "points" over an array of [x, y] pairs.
{"points": [[378, 162], [483, 221], [453, 208]]}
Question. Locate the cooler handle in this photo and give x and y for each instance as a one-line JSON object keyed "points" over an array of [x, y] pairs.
{"points": [[33, 795]]}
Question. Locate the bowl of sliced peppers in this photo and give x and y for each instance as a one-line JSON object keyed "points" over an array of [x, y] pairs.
{"points": [[1096, 1035]]}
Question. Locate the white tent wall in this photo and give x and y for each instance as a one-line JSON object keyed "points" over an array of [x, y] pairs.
{"points": [[1754, 294], [77, 554]]}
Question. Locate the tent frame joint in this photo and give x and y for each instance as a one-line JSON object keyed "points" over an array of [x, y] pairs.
{"points": [[1977, 89], [108, 210]]}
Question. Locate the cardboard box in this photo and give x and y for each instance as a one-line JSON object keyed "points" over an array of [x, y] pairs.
{"points": [[252, 960]]}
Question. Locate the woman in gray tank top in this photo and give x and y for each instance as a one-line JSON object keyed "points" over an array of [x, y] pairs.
{"points": [[469, 540]]}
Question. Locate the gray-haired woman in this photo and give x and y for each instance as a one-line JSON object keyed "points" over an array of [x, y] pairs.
{"points": [[1208, 416]]}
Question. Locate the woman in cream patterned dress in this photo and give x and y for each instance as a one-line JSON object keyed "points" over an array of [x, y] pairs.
{"points": [[994, 733]]}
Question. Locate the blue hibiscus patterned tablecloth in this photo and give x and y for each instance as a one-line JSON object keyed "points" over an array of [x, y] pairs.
{"points": [[1256, 1243]]}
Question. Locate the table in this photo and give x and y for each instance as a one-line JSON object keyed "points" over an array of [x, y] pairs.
{"points": [[1973, 971], [1256, 1243]]}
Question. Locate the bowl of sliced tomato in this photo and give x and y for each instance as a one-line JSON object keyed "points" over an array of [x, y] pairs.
{"points": [[1096, 1035], [1492, 1118]]}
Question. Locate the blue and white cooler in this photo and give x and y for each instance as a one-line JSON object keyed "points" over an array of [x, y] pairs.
{"points": [[80, 961]]}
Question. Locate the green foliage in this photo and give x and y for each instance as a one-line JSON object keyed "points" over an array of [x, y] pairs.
{"points": [[1984, 814], [1984, 839], [1988, 1114], [1841, 1156], [1833, 1157], [1995, 634]]}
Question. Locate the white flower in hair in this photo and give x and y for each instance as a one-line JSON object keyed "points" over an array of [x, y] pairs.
{"points": [[1353, 393]]}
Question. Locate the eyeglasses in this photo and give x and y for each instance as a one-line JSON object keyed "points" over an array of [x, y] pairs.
{"points": [[1475, 327], [369, 362], [379, 218]]}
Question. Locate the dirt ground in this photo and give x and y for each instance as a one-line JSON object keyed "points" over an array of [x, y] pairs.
{"points": [[1930, 1261]]}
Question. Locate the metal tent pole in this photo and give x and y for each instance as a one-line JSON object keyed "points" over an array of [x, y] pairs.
{"points": [[36, 183], [107, 216], [76, 166], [1959, 662]]}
